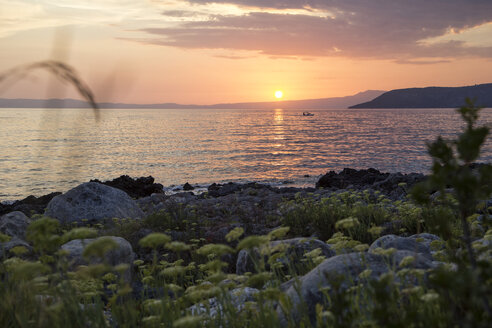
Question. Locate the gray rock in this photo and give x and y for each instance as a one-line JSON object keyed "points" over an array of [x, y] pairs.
{"points": [[346, 267], [237, 297], [14, 224], [402, 243], [483, 248], [121, 255], [14, 242], [295, 250], [93, 201], [426, 239]]}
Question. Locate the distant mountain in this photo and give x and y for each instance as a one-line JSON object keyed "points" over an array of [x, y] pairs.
{"points": [[322, 103], [74, 103], [336, 102], [431, 97]]}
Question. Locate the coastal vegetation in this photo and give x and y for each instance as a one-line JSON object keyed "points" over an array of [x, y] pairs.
{"points": [[396, 251]]}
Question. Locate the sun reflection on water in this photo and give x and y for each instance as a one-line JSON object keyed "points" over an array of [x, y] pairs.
{"points": [[205, 146]]}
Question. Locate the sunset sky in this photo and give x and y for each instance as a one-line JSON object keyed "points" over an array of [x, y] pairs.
{"points": [[205, 52]]}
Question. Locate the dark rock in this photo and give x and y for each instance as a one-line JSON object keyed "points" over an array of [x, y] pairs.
{"points": [[217, 190], [135, 188], [29, 205], [350, 177], [389, 183], [188, 187], [217, 234]]}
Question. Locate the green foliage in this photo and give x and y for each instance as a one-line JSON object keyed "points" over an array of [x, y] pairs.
{"points": [[44, 235], [306, 216], [452, 166], [79, 233], [99, 247], [470, 184], [155, 240]]}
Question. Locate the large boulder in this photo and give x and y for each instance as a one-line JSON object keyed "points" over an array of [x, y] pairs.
{"points": [[295, 249], [92, 201], [14, 224], [122, 254], [417, 243], [348, 268]]}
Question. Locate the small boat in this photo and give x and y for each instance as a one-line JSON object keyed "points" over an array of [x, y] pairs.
{"points": [[307, 114]]}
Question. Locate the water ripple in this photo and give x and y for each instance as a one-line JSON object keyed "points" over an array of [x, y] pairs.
{"points": [[48, 150]]}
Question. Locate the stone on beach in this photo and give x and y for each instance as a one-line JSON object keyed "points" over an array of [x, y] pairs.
{"points": [[347, 267], [14, 224], [121, 254], [93, 201]]}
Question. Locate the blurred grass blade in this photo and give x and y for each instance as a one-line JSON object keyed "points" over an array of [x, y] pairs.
{"points": [[62, 71]]}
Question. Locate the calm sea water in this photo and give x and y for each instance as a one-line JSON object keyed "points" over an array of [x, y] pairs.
{"points": [[45, 150]]}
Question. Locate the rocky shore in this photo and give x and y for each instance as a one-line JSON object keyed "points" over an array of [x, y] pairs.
{"points": [[142, 187], [355, 223]]}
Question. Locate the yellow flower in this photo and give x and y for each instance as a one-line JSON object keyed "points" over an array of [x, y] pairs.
{"points": [[188, 322], [406, 261], [177, 246], [154, 240], [278, 233], [347, 223], [234, 234], [99, 247], [217, 249], [252, 242], [430, 296]]}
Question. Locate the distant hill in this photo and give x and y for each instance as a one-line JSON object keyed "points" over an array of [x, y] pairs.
{"points": [[74, 103], [322, 103], [336, 102], [431, 97]]}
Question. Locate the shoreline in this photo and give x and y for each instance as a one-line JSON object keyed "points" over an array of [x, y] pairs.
{"points": [[138, 188]]}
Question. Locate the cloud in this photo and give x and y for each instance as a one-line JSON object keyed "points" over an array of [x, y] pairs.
{"points": [[233, 57], [423, 62], [180, 13], [390, 29]]}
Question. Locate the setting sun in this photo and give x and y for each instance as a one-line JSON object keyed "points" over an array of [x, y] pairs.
{"points": [[279, 94]]}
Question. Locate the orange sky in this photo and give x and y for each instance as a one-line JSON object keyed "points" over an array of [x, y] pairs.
{"points": [[207, 52]]}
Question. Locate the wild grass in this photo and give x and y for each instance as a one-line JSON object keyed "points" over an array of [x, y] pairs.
{"points": [[64, 72]]}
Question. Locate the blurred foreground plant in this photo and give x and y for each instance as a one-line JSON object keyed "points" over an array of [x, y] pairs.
{"points": [[453, 167], [62, 71]]}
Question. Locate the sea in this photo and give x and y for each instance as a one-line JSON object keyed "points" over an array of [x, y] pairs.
{"points": [[46, 150]]}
